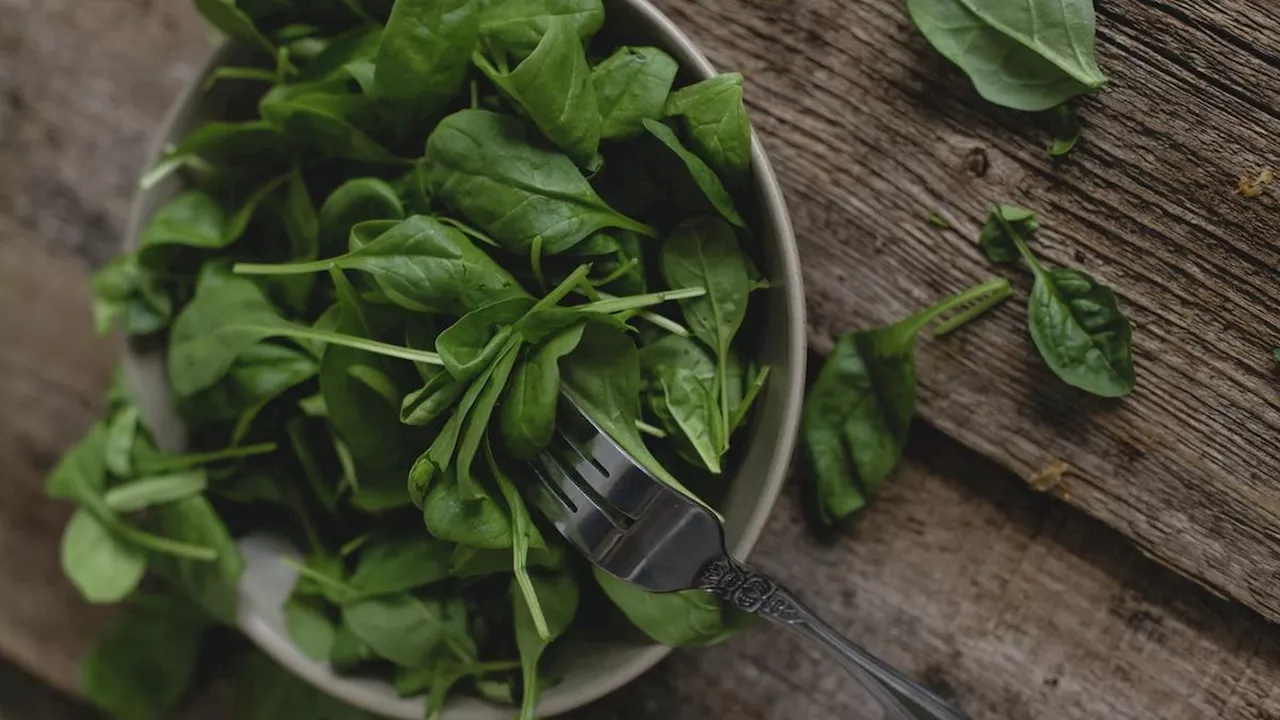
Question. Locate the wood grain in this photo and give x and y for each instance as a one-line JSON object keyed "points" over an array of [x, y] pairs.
{"points": [[870, 128]]}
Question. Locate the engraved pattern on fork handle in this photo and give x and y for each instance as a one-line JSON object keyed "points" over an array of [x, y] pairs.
{"points": [[751, 591]]}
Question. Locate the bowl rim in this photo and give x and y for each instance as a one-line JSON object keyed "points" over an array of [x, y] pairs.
{"points": [[671, 37]]}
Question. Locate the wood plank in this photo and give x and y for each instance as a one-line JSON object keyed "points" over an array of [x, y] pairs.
{"points": [[869, 128]]}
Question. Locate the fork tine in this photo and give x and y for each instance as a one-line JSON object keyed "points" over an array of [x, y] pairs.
{"points": [[581, 518], [620, 481]]}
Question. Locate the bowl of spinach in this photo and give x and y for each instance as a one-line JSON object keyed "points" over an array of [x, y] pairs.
{"points": [[378, 240]]}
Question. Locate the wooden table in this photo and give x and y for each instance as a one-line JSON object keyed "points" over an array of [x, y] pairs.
{"points": [[1147, 594]]}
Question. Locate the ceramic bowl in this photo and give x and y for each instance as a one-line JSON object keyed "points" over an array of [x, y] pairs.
{"points": [[595, 669]]}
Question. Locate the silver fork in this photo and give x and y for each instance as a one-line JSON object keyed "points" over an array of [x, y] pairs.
{"points": [[637, 528]]}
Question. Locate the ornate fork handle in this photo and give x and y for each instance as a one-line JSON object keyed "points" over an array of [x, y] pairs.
{"points": [[751, 591]]}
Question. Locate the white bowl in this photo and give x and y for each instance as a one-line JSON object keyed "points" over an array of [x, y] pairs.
{"points": [[598, 668]]}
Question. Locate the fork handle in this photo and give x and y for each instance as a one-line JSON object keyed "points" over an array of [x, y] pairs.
{"points": [[747, 589]]}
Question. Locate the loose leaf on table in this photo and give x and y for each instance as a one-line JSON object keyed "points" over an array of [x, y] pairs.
{"points": [[704, 253], [1029, 55], [212, 584], [859, 410], [702, 175], [412, 631], [1064, 125], [421, 264], [424, 57], [631, 86], [1076, 324], [519, 25], [142, 667], [527, 416], [997, 244], [352, 203], [553, 87], [679, 619], [717, 125], [516, 192], [557, 595]]}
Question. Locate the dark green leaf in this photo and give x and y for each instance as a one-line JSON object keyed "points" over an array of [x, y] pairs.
{"points": [[132, 296], [122, 435], [388, 566], [412, 631], [557, 595], [519, 25], [211, 584], [1065, 127], [104, 567], [701, 173], [224, 15], [426, 51], [553, 87], [677, 619], [142, 668], [691, 404], [479, 523], [331, 122], [82, 470], [631, 86], [518, 193], [528, 413], [1081, 333], [717, 124], [473, 343], [156, 490], [266, 691], [996, 244], [354, 202], [310, 626], [1027, 56]]}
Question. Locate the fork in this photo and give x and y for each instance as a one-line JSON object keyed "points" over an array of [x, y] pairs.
{"points": [[639, 529]]}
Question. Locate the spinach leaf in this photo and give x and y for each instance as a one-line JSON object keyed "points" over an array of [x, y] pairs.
{"points": [[473, 343], [631, 86], [389, 566], [266, 691], [521, 195], [704, 253], [603, 377], [527, 416], [1027, 56], [142, 667], [701, 174], [450, 516], [123, 432], [717, 124], [859, 409], [553, 87], [230, 19], [997, 244], [412, 631], [352, 203], [310, 626], [225, 145], [82, 471], [557, 595], [1064, 124], [211, 584], [193, 219], [328, 120], [134, 297], [680, 619], [1077, 325], [421, 264], [156, 490], [477, 423], [690, 402], [520, 24], [426, 49], [105, 568]]}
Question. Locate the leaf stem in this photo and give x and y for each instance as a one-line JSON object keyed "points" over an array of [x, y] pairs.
{"points": [[915, 323], [180, 462], [164, 545], [351, 341], [978, 308], [1019, 243], [744, 407], [635, 302], [621, 271], [650, 430], [300, 268]]}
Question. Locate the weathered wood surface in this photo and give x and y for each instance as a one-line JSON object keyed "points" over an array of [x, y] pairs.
{"points": [[959, 574], [869, 128]]}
